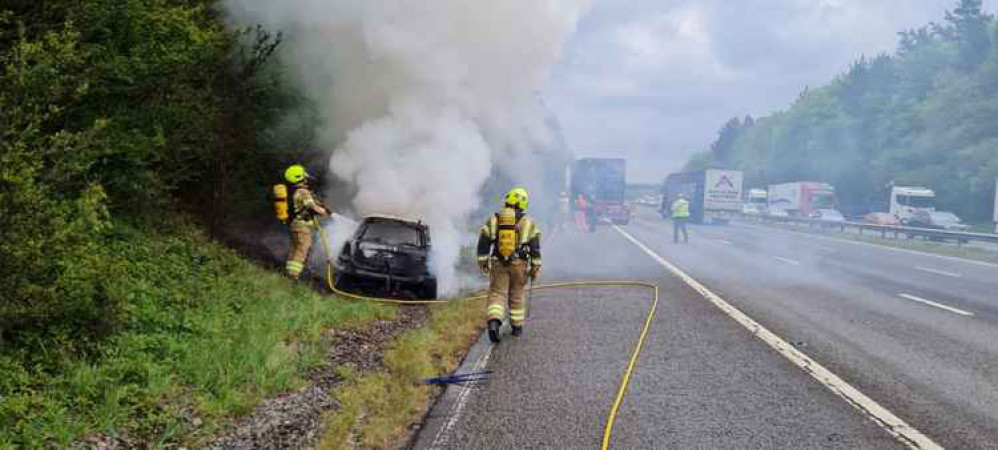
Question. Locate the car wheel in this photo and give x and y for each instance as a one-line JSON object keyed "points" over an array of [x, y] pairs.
{"points": [[428, 290], [344, 282]]}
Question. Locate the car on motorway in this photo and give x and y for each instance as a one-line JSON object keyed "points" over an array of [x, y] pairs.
{"points": [[828, 215], [882, 218], [939, 220], [650, 201], [387, 256], [751, 209]]}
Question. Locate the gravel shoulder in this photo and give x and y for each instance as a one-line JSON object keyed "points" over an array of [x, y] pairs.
{"points": [[294, 420]]}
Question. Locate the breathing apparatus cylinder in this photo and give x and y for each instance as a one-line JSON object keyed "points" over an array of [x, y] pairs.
{"points": [[506, 239], [280, 196]]}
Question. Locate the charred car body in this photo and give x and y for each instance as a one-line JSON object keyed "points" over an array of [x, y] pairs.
{"points": [[387, 256]]}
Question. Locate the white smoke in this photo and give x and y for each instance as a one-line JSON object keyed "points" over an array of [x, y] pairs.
{"points": [[423, 99]]}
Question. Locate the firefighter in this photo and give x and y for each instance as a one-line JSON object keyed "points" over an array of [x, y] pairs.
{"points": [[680, 215], [509, 252], [305, 210]]}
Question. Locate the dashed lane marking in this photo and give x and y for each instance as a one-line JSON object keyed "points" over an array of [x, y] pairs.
{"points": [[787, 260], [891, 423], [938, 272], [936, 304]]}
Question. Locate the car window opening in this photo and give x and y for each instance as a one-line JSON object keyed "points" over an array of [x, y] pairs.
{"points": [[391, 233]]}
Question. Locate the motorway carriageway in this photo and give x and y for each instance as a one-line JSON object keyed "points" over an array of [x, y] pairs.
{"points": [[915, 334]]}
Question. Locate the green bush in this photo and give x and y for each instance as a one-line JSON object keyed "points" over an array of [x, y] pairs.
{"points": [[202, 332], [116, 116], [117, 108]]}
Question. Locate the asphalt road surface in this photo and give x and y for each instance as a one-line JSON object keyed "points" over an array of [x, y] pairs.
{"points": [[916, 335]]}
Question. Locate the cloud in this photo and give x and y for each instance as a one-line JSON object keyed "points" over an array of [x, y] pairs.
{"points": [[653, 80]]}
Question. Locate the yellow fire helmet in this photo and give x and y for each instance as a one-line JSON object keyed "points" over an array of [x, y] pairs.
{"points": [[295, 174], [518, 198]]}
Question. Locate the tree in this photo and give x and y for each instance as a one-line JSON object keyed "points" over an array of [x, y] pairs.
{"points": [[914, 39], [722, 148], [112, 111], [924, 115], [968, 26]]}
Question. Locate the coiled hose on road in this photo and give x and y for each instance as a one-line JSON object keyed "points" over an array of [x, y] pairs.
{"points": [[628, 371]]}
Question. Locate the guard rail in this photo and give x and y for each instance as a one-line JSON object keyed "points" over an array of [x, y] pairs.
{"points": [[960, 237]]}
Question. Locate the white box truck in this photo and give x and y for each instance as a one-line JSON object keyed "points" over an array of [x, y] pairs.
{"points": [[715, 195], [802, 199]]}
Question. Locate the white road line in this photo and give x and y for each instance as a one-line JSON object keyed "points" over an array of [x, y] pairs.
{"points": [[891, 423], [442, 439], [725, 242], [937, 305], [788, 260], [938, 272]]}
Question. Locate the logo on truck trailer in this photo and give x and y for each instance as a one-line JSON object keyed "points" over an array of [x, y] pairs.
{"points": [[725, 181], [724, 190]]}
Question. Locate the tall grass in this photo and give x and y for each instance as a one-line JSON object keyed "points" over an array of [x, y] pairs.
{"points": [[208, 335], [377, 409]]}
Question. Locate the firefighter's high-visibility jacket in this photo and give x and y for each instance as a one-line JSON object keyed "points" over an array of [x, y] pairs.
{"points": [[305, 207], [680, 209], [528, 233]]}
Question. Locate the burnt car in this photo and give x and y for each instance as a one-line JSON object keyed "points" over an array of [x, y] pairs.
{"points": [[387, 256]]}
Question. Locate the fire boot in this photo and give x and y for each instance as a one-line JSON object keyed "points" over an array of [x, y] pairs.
{"points": [[517, 331], [494, 330]]}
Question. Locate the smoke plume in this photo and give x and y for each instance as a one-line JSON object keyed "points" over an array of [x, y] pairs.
{"points": [[424, 100]]}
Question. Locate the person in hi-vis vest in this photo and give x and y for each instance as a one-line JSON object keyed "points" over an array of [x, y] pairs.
{"points": [[680, 216]]}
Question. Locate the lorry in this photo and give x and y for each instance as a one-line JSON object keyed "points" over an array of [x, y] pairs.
{"points": [[801, 199], [756, 202], [906, 202], [715, 195], [604, 183]]}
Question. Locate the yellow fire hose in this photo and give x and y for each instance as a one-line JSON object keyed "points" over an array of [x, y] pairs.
{"points": [[625, 379]]}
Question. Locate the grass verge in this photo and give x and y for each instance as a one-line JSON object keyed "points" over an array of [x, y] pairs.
{"points": [[206, 336], [939, 248], [377, 409]]}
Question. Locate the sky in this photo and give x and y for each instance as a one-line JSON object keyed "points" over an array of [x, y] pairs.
{"points": [[653, 80]]}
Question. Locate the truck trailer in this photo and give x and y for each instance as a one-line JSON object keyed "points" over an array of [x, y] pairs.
{"points": [[604, 182], [715, 195], [801, 199]]}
